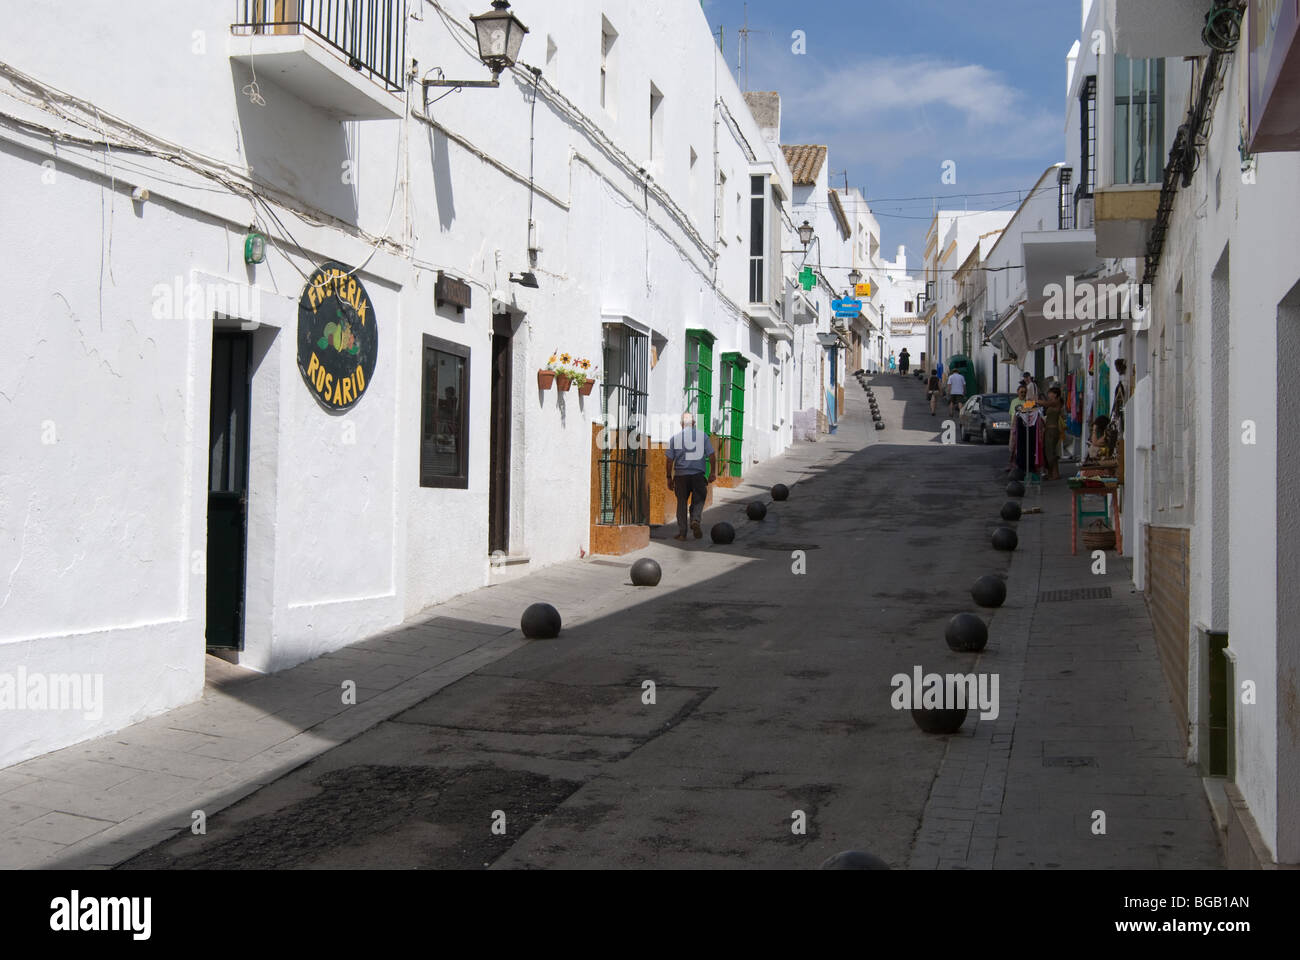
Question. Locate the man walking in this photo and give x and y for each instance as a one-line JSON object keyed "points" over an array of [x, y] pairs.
{"points": [[956, 391], [692, 465], [904, 361]]}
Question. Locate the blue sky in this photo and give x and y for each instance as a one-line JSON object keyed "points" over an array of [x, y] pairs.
{"points": [[898, 89]]}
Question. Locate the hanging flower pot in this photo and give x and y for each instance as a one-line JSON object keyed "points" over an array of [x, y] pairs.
{"points": [[545, 378], [586, 388], [562, 383]]}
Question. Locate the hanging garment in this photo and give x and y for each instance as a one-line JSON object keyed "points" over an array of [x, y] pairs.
{"points": [[1028, 439], [1073, 405], [1103, 390]]}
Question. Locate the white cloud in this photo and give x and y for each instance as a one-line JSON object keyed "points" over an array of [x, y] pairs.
{"points": [[894, 111]]}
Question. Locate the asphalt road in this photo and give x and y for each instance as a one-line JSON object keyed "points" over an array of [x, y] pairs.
{"points": [[771, 698]]}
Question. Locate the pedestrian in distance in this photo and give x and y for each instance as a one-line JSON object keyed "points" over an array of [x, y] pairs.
{"points": [[956, 392], [1054, 428], [893, 363], [904, 361], [1022, 397], [692, 465], [935, 387]]}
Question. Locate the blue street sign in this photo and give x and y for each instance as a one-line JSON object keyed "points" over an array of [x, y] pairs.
{"points": [[846, 308]]}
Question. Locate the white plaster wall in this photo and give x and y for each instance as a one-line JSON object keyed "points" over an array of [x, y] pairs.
{"points": [[1258, 224]]}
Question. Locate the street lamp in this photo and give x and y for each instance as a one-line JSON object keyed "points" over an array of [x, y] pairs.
{"points": [[855, 277], [500, 35], [806, 234]]}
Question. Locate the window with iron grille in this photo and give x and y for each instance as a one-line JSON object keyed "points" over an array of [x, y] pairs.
{"points": [[624, 494], [444, 433], [757, 237], [1088, 137], [699, 377], [1064, 201], [733, 412]]}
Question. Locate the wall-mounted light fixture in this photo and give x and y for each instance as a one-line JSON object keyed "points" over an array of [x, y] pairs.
{"points": [[500, 35], [254, 246], [806, 233]]}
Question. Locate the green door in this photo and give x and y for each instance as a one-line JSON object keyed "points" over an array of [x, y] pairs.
{"points": [[733, 414], [232, 355], [699, 377]]}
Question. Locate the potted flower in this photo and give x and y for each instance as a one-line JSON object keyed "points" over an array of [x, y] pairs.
{"points": [[545, 378], [585, 377], [564, 373]]}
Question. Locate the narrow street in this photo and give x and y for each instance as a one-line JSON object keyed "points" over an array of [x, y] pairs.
{"points": [[772, 696]]}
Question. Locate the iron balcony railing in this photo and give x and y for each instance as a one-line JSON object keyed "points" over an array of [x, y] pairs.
{"points": [[370, 33]]}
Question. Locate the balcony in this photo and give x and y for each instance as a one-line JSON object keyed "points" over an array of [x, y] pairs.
{"points": [[344, 57], [1125, 214], [1160, 28]]}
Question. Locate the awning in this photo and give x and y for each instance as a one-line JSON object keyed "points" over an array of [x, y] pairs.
{"points": [[1068, 296]]}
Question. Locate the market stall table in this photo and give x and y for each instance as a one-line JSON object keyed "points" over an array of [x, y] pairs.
{"points": [[1109, 489]]}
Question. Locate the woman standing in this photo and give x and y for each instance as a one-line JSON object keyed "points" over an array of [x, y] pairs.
{"points": [[1054, 410]]}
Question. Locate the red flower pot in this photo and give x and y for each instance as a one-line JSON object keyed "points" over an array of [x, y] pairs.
{"points": [[563, 384], [586, 388], [545, 378]]}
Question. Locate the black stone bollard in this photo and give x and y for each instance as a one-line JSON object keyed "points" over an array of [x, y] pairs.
{"points": [[1011, 510], [854, 860], [966, 633], [1015, 489], [939, 721], [880, 425], [756, 510], [780, 492], [646, 573], [1004, 538], [989, 591], [541, 621], [723, 533]]}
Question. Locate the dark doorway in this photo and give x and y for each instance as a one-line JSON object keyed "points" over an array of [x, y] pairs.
{"points": [[232, 355], [502, 418]]}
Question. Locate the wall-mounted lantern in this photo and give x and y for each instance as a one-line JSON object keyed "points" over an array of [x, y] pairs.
{"points": [[500, 35]]}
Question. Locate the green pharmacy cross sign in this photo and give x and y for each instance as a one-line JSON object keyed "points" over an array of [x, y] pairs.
{"points": [[807, 279]]}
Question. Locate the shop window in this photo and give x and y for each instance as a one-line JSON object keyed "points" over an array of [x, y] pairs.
{"points": [[444, 432]]}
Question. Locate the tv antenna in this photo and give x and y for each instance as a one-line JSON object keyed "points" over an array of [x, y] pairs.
{"points": [[742, 51]]}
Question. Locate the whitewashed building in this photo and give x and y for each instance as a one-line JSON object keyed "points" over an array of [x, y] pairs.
{"points": [[1215, 225], [285, 302], [1180, 182]]}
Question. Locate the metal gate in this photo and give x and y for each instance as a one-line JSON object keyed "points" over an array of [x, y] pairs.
{"points": [[624, 493]]}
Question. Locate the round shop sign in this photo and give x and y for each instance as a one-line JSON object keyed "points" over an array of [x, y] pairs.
{"points": [[338, 337]]}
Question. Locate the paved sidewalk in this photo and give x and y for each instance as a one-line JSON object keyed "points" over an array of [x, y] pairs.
{"points": [[96, 804], [1086, 729]]}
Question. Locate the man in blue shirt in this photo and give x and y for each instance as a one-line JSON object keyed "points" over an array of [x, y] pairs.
{"points": [[692, 465]]}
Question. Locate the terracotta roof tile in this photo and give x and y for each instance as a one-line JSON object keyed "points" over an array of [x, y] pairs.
{"points": [[806, 162]]}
